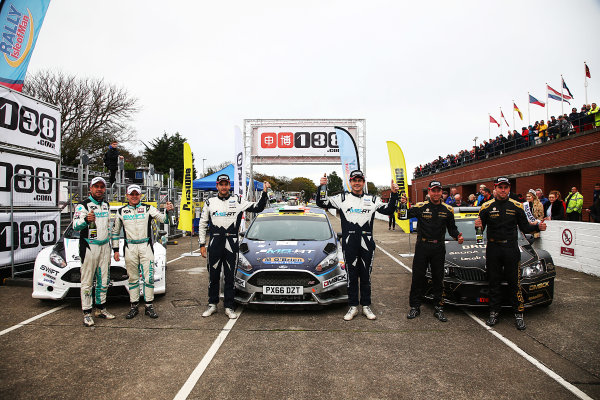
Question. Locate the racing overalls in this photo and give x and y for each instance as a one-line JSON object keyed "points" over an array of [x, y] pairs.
{"points": [[430, 250], [357, 213], [94, 252], [502, 254], [221, 216], [138, 249]]}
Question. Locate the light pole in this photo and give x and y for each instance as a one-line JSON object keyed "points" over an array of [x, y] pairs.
{"points": [[203, 173], [475, 140]]}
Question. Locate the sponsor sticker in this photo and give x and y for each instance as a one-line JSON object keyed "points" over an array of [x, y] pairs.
{"points": [[335, 279], [283, 260], [539, 286]]}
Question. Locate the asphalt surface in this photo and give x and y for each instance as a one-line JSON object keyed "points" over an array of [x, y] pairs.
{"points": [[298, 354]]}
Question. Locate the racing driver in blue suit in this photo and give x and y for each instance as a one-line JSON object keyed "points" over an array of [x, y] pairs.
{"points": [[357, 212]]}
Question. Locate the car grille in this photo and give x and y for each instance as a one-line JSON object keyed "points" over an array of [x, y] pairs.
{"points": [[470, 274], [117, 274], [283, 278]]}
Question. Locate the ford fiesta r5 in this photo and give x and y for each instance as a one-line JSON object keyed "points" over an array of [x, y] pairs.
{"points": [[291, 256], [465, 274], [57, 270]]}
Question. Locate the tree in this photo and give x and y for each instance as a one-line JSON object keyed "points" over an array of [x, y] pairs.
{"points": [[167, 152], [301, 183], [372, 189], [93, 113], [215, 168], [335, 184]]}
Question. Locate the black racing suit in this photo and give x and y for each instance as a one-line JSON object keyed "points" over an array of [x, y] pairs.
{"points": [[357, 214], [221, 216], [502, 255], [430, 250]]}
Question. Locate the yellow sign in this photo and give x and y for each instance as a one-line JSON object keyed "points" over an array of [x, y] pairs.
{"points": [[186, 208], [398, 167]]}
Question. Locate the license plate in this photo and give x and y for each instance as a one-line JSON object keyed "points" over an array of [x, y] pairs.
{"points": [[282, 290]]}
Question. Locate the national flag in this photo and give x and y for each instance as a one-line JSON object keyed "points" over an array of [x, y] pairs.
{"points": [[519, 111], [493, 121], [553, 94], [533, 100], [565, 87], [502, 114], [587, 71]]}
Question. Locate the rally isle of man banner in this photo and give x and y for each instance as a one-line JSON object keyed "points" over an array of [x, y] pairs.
{"points": [[21, 21], [398, 166], [348, 154], [186, 208]]}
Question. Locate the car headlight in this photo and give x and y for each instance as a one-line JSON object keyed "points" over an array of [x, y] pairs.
{"points": [[243, 263], [56, 259], [533, 269], [328, 262]]}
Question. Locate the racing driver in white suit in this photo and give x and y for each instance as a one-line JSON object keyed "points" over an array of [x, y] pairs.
{"points": [[136, 220]]}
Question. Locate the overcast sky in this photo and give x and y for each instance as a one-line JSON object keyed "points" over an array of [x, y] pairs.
{"points": [[424, 74]]}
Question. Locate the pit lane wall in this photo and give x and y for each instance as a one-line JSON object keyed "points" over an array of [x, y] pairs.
{"points": [[572, 245]]}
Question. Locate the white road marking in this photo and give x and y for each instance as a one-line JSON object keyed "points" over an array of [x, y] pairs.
{"points": [[188, 386], [180, 257], [405, 255], [559, 379], [20, 324]]}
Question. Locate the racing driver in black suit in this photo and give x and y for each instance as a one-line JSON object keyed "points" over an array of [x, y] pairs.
{"points": [[221, 216], [357, 212]]}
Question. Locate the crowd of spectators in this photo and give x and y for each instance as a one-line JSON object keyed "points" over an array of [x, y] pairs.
{"points": [[549, 208], [539, 132]]}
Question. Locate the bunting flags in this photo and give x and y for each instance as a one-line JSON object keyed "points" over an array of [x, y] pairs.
{"points": [[564, 85], [493, 121], [533, 100], [515, 108], [553, 94], [587, 71]]}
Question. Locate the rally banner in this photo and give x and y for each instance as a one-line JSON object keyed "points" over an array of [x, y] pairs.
{"points": [[186, 207], [348, 154], [31, 180], [21, 21], [30, 233], [398, 167], [239, 163], [295, 141], [29, 123]]}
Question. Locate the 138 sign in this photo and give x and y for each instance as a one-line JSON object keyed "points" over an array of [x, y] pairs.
{"points": [[31, 180], [300, 140], [28, 234]]}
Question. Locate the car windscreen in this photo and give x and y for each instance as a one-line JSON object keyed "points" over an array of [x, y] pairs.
{"points": [[289, 227], [467, 228]]}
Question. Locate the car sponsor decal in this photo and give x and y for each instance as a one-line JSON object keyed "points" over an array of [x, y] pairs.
{"points": [[285, 251], [240, 282], [49, 270], [283, 260], [335, 279], [539, 286]]}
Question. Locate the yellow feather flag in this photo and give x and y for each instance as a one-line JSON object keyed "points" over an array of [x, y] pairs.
{"points": [[398, 167], [186, 208]]}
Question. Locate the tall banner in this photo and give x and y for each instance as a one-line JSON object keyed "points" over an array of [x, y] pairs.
{"points": [[398, 167], [186, 211], [239, 164], [21, 21], [348, 154]]}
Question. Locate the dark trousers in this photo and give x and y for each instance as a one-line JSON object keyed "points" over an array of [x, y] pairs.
{"points": [[392, 222], [433, 255], [225, 261], [112, 179], [359, 263], [573, 216], [502, 263]]}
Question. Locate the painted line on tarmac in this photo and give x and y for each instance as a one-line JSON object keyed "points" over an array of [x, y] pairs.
{"points": [[180, 257], [20, 324], [559, 379], [187, 387]]}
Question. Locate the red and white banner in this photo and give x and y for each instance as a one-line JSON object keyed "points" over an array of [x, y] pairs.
{"points": [[296, 141]]}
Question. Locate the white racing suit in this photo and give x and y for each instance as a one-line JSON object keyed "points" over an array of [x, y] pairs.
{"points": [[138, 249], [94, 253], [357, 214], [224, 215]]}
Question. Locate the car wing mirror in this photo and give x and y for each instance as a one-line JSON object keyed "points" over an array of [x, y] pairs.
{"points": [[339, 235], [242, 234], [530, 238]]}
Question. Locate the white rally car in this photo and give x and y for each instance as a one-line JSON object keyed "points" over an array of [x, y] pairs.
{"points": [[57, 274]]}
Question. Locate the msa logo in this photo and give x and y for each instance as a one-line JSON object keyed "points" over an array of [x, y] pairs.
{"points": [[223, 214], [357, 210], [335, 279]]}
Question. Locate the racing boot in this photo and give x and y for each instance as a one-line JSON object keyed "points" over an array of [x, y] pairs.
{"points": [[133, 311], [103, 313], [149, 311], [230, 313], [87, 319], [439, 313], [493, 319], [212, 308], [414, 312], [519, 322], [368, 313], [352, 312]]}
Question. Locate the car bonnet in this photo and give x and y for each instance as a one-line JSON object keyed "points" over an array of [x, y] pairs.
{"points": [[305, 255]]}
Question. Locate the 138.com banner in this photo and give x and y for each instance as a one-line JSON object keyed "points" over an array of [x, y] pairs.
{"points": [[20, 22]]}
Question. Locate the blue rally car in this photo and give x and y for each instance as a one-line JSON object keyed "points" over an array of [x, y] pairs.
{"points": [[291, 256]]}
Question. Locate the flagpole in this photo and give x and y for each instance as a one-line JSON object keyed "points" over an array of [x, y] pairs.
{"points": [[513, 114], [562, 98], [585, 80], [547, 104], [489, 122], [528, 110]]}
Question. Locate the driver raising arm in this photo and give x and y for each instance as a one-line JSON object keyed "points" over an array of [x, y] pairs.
{"points": [[221, 216], [357, 212]]}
